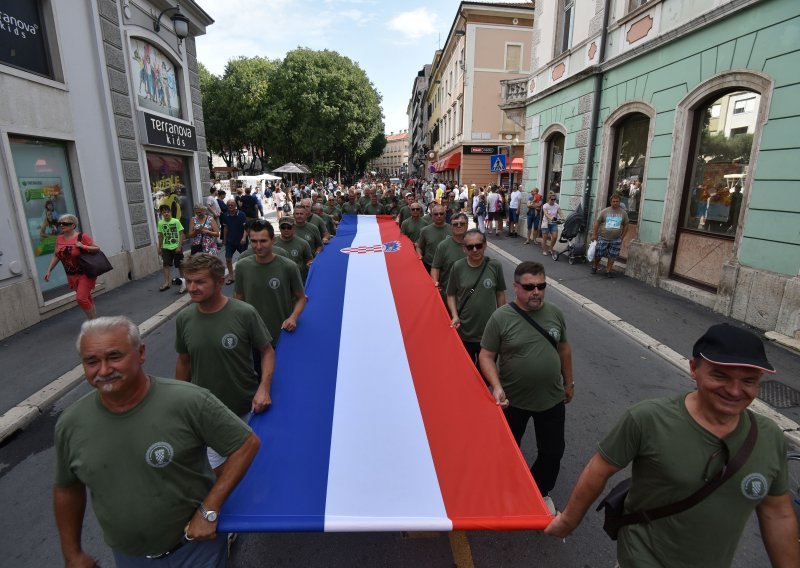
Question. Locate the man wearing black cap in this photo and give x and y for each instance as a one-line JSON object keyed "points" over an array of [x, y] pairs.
{"points": [[677, 445]]}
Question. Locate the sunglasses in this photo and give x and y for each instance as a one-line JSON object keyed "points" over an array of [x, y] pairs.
{"points": [[287, 226], [458, 224], [437, 214], [65, 224], [477, 246], [416, 209], [532, 287]]}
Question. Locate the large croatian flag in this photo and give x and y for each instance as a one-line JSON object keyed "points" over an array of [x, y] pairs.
{"points": [[379, 420]]}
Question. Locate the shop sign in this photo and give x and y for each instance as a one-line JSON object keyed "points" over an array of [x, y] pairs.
{"points": [[488, 150], [22, 41], [162, 131]]}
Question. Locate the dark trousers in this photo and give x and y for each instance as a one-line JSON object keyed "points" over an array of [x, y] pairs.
{"points": [[549, 427]]}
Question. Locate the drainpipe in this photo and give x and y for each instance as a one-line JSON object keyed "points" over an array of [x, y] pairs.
{"points": [[598, 86]]}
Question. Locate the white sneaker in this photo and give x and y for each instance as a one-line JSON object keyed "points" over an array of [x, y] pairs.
{"points": [[182, 289], [550, 505]]}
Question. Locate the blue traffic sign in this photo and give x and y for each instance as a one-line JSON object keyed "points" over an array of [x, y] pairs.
{"points": [[498, 163]]}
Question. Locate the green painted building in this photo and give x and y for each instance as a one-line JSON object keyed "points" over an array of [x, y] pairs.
{"points": [[690, 112]]}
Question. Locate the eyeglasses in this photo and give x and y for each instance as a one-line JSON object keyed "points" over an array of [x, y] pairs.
{"points": [[721, 452], [458, 224], [532, 287], [65, 223], [477, 246]]}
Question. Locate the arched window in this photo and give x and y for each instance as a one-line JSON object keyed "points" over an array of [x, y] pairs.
{"points": [[554, 163], [627, 166]]}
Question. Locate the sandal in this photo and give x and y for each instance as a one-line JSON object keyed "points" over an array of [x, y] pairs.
{"points": [[165, 287]]}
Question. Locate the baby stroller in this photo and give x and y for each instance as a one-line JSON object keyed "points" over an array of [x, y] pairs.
{"points": [[574, 234]]}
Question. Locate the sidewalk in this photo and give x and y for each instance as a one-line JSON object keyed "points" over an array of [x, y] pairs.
{"points": [[642, 310], [41, 363]]}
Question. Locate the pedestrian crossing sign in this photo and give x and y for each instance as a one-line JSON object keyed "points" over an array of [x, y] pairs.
{"points": [[498, 162]]}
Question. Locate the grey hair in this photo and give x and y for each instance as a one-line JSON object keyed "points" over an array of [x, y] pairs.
{"points": [[69, 218], [108, 323]]}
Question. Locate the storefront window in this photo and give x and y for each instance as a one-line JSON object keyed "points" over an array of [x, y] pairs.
{"points": [[630, 153], [720, 163], [22, 36], [168, 183], [45, 185], [555, 160], [155, 79]]}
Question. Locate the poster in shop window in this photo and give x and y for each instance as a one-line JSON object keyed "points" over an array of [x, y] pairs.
{"points": [[154, 79]]}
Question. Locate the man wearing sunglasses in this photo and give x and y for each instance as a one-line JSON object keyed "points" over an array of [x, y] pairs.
{"points": [[475, 288], [534, 376], [412, 226], [431, 236], [296, 248], [449, 251]]}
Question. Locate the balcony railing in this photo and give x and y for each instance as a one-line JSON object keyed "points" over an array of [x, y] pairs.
{"points": [[513, 91]]}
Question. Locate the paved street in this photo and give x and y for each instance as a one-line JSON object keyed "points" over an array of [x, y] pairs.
{"points": [[611, 373]]}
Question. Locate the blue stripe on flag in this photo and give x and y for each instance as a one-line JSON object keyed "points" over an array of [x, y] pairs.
{"points": [[285, 488]]}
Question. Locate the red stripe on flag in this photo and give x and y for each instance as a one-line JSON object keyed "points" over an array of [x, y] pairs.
{"points": [[484, 479]]}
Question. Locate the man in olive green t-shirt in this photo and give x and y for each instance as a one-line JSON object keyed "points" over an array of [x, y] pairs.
{"points": [[412, 226], [534, 376], [307, 231], [676, 445], [215, 340], [138, 443], [431, 236], [270, 283], [475, 289], [296, 248], [313, 219], [447, 252]]}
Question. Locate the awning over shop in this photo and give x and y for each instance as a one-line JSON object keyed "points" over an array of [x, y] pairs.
{"points": [[451, 162], [516, 164]]}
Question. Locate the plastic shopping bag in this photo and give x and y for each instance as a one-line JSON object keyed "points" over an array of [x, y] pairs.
{"points": [[590, 252]]}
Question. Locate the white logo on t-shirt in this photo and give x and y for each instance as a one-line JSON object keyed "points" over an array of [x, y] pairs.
{"points": [[555, 333], [294, 253], [159, 455], [274, 283], [229, 341], [488, 283], [755, 486]]}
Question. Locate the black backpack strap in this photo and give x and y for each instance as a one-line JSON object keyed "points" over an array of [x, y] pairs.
{"points": [[538, 328], [471, 291]]}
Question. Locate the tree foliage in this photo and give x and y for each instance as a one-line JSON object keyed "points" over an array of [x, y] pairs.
{"points": [[313, 107]]}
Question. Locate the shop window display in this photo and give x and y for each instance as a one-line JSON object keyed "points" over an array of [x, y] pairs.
{"points": [[630, 154], [168, 183]]}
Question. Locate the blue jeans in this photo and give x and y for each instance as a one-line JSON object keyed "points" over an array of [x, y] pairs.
{"points": [[192, 554]]}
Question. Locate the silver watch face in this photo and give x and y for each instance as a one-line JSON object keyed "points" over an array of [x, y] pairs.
{"points": [[210, 516]]}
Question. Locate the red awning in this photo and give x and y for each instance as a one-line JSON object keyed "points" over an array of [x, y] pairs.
{"points": [[451, 162], [516, 164]]}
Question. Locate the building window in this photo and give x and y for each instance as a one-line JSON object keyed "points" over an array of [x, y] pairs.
{"points": [[155, 79], [513, 57], [168, 183], [715, 109], [630, 154], [45, 182], [566, 17], [744, 105], [554, 165], [23, 40], [720, 164], [634, 4]]}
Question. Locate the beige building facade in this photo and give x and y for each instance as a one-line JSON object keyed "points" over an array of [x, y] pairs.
{"points": [[393, 162]]}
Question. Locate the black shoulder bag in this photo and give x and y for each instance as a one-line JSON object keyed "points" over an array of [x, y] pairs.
{"points": [[92, 264], [615, 500], [471, 291], [538, 328]]}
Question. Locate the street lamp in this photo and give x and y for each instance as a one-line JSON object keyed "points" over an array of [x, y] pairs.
{"points": [[180, 23]]}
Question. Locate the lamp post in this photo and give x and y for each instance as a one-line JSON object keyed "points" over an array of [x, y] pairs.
{"points": [[180, 23]]}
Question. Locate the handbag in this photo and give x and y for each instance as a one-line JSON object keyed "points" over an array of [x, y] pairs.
{"points": [[614, 501], [92, 264]]}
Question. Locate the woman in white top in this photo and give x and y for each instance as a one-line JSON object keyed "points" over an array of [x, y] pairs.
{"points": [[551, 213]]}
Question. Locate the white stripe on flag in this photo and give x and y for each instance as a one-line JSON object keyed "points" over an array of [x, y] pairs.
{"points": [[381, 466]]}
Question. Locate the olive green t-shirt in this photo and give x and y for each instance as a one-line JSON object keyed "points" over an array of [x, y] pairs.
{"points": [[333, 211], [671, 453], [220, 348], [147, 468], [319, 223], [530, 369], [483, 302], [349, 208], [447, 253], [270, 288], [298, 250], [405, 213], [412, 228], [310, 234], [370, 209], [363, 201], [429, 239], [427, 218]]}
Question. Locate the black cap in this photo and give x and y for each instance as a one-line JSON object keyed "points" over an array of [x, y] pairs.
{"points": [[725, 344]]}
